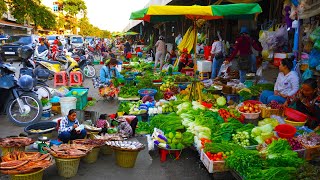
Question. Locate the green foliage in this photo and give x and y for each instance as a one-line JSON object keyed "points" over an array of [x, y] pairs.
{"points": [[3, 7], [32, 11], [73, 7]]}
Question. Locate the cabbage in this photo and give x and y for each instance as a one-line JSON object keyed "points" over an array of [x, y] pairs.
{"points": [[259, 139], [267, 135], [272, 121], [266, 128], [221, 101], [204, 135], [256, 132]]}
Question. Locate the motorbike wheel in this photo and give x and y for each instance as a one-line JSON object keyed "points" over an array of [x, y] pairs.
{"points": [[89, 71], [42, 91], [32, 107]]}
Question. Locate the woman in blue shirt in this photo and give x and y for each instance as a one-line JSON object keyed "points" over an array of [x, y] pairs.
{"points": [[109, 71], [67, 129]]}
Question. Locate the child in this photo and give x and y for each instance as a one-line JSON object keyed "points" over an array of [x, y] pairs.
{"points": [[307, 101], [185, 60], [103, 123]]}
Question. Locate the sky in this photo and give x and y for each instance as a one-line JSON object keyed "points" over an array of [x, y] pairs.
{"points": [[112, 15]]}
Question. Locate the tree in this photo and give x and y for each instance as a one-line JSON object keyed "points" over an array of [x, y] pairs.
{"points": [[32, 11], [72, 8], [61, 21], [3, 6], [86, 28]]}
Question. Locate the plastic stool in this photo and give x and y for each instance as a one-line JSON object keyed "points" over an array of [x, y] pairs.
{"points": [[60, 79], [204, 75], [164, 153], [73, 75]]}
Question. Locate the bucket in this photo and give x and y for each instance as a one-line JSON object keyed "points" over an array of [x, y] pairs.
{"points": [[67, 103], [92, 156], [67, 167], [46, 112], [31, 176]]}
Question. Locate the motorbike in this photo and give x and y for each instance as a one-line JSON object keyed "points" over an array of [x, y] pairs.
{"points": [[40, 75], [20, 103], [85, 63]]}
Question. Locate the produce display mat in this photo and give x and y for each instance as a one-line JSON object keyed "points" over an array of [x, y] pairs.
{"points": [[129, 99]]}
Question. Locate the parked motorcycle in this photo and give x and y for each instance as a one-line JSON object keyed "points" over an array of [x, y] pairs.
{"points": [[85, 63], [20, 103], [40, 75]]}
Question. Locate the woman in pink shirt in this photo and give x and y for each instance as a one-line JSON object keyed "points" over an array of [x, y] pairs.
{"points": [[160, 52]]}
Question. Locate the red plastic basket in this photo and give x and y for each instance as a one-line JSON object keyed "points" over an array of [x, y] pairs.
{"points": [[285, 130], [295, 115]]}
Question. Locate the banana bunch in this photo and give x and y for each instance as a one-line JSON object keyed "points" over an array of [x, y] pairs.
{"points": [[188, 40]]}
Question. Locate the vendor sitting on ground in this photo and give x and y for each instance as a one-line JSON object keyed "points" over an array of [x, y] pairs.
{"points": [[123, 126], [171, 57], [67, 130], [185, 60], [287, 84], [307, 101], [109, 71], [103, 123]]}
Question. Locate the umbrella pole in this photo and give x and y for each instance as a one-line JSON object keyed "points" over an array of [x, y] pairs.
{"points": [[195, 46]]}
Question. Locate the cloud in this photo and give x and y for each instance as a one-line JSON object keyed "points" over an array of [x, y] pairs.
{"points": [[112, 15]]}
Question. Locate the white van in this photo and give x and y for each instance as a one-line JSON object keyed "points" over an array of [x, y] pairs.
{"points": [[76, 42]]}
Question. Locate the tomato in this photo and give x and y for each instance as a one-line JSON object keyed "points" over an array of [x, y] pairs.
{"points": [[219, 153], [268, 141], [208, 154], [274, 138], [218, 159]]}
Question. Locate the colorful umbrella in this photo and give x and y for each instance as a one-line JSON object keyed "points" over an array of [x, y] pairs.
{"points": [[156, 13]]}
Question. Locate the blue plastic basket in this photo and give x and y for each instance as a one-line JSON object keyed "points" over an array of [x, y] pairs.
{"points": [[149, 92]]}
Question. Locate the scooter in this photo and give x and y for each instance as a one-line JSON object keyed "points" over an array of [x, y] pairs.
{"points": [[85, 63], [19, 102]]}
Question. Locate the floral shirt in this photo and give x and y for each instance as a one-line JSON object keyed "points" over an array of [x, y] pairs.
{"points": [[310, 103], [67, 125]]}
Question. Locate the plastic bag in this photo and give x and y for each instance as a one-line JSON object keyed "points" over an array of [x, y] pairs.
{"points": [[315, 35], [307, 75], [224, 68], [61, 92], [314, 58], [259, 71]]}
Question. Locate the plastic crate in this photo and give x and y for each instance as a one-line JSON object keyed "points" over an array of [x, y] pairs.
{"points": [[212, 166], [81, 95]]}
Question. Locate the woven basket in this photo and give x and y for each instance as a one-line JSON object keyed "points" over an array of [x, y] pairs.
{"points": [[266, 113], [67, 167], [6, 150], [92, 156], [106, 150], [92, 133], [31, 176], [126, 159]]}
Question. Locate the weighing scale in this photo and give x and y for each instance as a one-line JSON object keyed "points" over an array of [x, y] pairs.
{"points": [[43, 144]]}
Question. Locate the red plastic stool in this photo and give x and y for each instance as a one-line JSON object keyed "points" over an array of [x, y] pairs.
{"points": [[164, 153], [60, 79], [75, 75]]}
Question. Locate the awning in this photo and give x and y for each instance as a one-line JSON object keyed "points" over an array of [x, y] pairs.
{"points": [[132, 24], [12, 24]]}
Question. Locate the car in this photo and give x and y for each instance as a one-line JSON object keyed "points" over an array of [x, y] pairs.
{"points": [[51, 39], [9, 50], [76, 42]]}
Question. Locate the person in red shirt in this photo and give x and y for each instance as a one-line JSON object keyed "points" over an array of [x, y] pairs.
{"points": [[185, 60], [242, 48]]}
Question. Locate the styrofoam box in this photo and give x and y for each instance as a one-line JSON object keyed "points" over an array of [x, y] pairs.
{"points": [[204, 66], [212, 166]]}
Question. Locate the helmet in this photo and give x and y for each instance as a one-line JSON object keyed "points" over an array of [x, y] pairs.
{"points": [[25, 52], [25, 82]]}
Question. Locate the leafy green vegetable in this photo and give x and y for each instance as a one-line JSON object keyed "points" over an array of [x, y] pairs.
{"points": [[281, 173], [221, 147], [242, 160], [166, 122], [144, 127], [128, 91]]}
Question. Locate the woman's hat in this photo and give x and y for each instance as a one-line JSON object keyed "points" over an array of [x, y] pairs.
{"points": [[244, 30]]}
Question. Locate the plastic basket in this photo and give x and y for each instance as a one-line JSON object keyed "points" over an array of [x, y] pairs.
{"points": [[67, 167], [31, 176], [126, 159], [5, 150], [149, 92], [81, 95], [250, 115], [92, 156], [293, 123], [106, 150]]}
